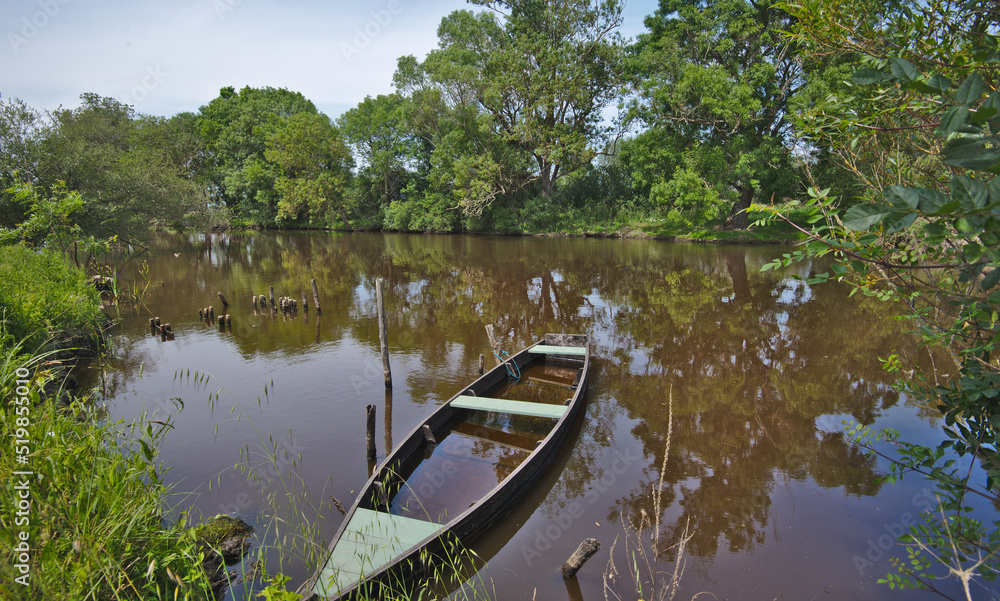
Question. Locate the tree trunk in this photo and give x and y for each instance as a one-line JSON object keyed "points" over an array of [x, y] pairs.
{"points": [[738, 216], [545, 171]]}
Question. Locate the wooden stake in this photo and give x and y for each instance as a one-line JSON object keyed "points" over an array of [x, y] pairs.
{"points": [[579, 557], [225, 303], [315, 295], [383, 336], [482, 364], [255, 302], [370, 430], [494, 343], [270, 295], [428, 435], [305, 303]]}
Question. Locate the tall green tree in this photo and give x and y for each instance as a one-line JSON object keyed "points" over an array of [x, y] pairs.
{"points": [[21, 132], [713, 81], [384, 144], [235, 127], [130, 170], [542, 71], [313, 166]]}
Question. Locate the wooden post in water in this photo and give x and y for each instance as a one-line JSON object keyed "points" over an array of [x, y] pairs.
{"points": [[305, 303], [383, 335], [225, 303], [370, 430], [315, 295], [255, 302], [579, 557], [494, 343], [482, 364], [270, 295]]}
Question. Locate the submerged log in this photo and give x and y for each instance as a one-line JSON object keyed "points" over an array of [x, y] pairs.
{"points": [[585, 551]]}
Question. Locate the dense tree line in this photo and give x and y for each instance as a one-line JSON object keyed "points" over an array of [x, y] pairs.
{"points": [[528, 116], [509, 125]]}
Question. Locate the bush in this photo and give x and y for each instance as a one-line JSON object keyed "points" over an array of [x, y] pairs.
{"points": [[42, 294]]}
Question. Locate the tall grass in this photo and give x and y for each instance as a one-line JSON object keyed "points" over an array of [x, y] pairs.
{"points": [[42, 295], [95, 525], [643, 546]]}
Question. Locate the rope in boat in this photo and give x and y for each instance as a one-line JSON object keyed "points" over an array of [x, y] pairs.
{"points": [[514, 373]]}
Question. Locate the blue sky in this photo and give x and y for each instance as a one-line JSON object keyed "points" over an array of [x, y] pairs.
{"points": [[165, 57]]}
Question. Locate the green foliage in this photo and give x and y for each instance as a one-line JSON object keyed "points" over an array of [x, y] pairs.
{"points": [[49, 220], [132, 171], [43, 295], [713, 82], [235, 128], [95, 525], [378, 133], [508, 103], [275, 590], [314, 165], [922, 124]]}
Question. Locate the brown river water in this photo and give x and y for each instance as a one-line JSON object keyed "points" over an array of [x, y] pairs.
{"points": [[758, 369]]}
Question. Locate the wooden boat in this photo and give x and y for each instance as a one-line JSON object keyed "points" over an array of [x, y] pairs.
{"points": [[461, 470]]}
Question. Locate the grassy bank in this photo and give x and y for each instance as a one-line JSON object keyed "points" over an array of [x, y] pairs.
{"points": [[81, 508]]}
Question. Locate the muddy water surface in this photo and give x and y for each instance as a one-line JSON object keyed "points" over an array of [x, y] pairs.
{"points": [[757, 369]]}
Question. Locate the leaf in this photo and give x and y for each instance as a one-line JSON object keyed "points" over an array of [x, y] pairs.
{"points": [[953, 120], [899, 222], [990, 280], [970, 193], [868, 76], [902, 197], [864, 216], [939, 82], [971, 89], [968, 152], [903, 69], [931, 201]]}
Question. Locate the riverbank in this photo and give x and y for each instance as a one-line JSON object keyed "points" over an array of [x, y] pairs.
{"points": [[83, 505], [583, 226]]}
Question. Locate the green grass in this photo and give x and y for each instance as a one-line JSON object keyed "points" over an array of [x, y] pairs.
{"points": [[42, 295], [95, 525]]}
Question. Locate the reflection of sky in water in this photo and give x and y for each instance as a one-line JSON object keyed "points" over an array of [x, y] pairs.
{"points": [[761, 367]]}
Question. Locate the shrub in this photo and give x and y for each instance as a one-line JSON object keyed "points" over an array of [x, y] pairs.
{"points": [[42, 294]]}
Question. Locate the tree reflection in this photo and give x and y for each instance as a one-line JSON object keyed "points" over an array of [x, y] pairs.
{"points": [[751, 359]]}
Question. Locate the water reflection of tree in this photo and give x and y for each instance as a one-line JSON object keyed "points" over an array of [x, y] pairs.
{"points": [[752, 359]]}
